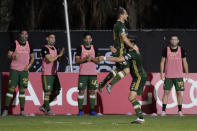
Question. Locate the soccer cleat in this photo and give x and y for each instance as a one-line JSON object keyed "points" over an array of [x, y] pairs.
{"points": [[80, 113], [138, 121], [93, 113], [42, 109], [101, 86], [49, 113], [109, 87], [5, 113], [163, 113], [23, 113], [180, 114]]}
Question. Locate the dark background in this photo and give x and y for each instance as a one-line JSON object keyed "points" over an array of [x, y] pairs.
{"points": [[96, 14]]}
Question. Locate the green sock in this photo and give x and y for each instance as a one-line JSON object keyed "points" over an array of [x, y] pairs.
{"points": [[111, 74], [92, 101], [118, 77], [137, 108], [46, 101], [22, 98], [52, 97], [9, 96], [80, 102]]}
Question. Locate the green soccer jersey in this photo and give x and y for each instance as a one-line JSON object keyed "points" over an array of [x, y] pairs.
{"points": [[135, 62], [119, 28]]}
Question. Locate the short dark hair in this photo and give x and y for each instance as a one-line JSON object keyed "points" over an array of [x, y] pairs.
{"points": [[21, 30], [120, 11], [86, 34], [50, 34], [174, 35]]}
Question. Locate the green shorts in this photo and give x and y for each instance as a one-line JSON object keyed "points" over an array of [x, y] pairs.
{"points": [[89, 81], [18, 78], [177, 82], [120, 65], [138, 84], [50, 83]]}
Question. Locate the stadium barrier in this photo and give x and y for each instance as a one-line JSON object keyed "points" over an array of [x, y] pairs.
{"points": [[115, 103]]}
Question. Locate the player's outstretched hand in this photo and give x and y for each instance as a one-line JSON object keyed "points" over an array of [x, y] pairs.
{"points": [[88, 58], [186, 77], [162, 76], [101, 58], [62, 52], [27, 68], [135, 47]]}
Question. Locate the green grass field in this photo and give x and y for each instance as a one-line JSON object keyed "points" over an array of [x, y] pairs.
{"points": [[100, 123]]}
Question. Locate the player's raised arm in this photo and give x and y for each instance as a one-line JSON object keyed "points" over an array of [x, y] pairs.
{"points": [[112, 59]]}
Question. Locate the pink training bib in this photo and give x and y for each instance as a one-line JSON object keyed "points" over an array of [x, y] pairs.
{"points": [[23, 54], [49, 68], [88, 68], [174, 66]]}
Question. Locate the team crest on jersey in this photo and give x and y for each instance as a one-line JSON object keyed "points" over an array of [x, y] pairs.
{"points": [[80, 84], [123, 31]]}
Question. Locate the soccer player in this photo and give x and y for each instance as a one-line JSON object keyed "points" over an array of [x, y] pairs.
{"points": [[87, 57], [138, 75], [174, 59], [120, 33], [50, 81], [21, 55]]}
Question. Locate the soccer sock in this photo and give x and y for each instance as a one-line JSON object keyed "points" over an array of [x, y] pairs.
{"points": [[137, 108], [179, 107], [111, 74], [46, 101], [118, 77], [52, 97], [92, 101], [164, 107], [80, 102], [9, 96], [22, 98]]}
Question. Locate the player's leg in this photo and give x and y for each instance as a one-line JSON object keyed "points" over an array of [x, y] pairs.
{"points": [[179, 86], [56, 89], [110, 75], [168, 83], [13, 82], [92, 87], [47, 82], [23, 83], [82, 84], [123, 66], [137, 107], [136, 88], [118, 77]]}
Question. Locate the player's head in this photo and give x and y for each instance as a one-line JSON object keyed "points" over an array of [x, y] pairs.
{"points": [[122, 14], [174, 40], [87, 39], [51, 39], [23, 36]]}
